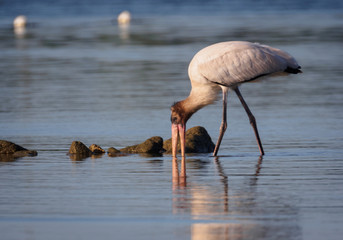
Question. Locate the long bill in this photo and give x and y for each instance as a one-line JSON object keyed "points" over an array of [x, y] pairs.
{"points": [[178, 130]]}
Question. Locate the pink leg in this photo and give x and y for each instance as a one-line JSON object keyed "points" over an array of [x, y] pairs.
{"points": [[223, 125], [251, 119]]}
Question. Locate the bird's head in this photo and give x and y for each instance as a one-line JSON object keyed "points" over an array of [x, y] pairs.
{"points": [[178, 127], [176, 115]]}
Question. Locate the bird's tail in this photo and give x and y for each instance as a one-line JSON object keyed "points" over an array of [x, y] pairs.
{"points": [[293, 70]]}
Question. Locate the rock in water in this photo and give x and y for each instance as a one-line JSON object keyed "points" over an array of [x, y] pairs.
{"points": [[151, 145], [96, 149], [15, 150], [113, 152], [197, 141], [7, 147], [79, 148]]}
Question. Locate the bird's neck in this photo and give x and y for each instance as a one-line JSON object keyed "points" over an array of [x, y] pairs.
{"points": [[197, 99], [188, 107]]}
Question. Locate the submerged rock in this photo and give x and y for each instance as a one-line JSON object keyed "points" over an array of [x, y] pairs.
{"points": [[112, 150], [197, 141], [79, 148], [96, 149], [14, 150], [151, 145]]}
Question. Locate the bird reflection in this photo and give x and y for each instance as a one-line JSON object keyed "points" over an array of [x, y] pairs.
{"points": [[180, 201], [179, 178], [211, 201], [124, 31], [19, 26], [253, 180], [224, 181], [124, 19]]}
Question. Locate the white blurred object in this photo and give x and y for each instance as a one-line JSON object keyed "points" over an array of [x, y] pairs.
{"points": [[124, 18], [19, 25], [20, 22]]}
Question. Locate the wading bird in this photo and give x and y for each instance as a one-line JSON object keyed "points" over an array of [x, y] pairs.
{"points": [[20, 21], [124, 18], [225, 66], [19, 26]]}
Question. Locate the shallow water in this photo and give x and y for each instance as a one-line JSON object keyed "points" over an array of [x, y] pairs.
{"points": [[86, 79]]}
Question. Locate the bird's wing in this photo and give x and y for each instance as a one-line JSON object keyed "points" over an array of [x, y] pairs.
{"points": [[232, 63]]}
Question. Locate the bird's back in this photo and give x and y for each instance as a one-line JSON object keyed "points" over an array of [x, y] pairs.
{"points": [[232, 63]]}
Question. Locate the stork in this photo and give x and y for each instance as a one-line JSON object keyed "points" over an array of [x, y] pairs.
{"points": [[224, 66]]}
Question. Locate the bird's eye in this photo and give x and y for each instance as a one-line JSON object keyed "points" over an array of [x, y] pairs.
{"points": [[174, 119]]}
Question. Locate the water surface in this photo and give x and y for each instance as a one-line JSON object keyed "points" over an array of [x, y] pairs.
{"points": [[84, 78]]}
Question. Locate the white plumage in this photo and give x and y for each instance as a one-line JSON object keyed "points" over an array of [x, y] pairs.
{"points": [[20, 21], [225, 66], [19, 26], [232, 63], [124, 18]]}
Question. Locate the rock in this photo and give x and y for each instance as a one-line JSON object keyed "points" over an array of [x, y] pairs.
{"points": [[197, 141], [25, 153], [7, 158], [151, 145], [96, 149], [129, 149], [113, 152], [7, 147], [15, 150], [79, 148]]}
